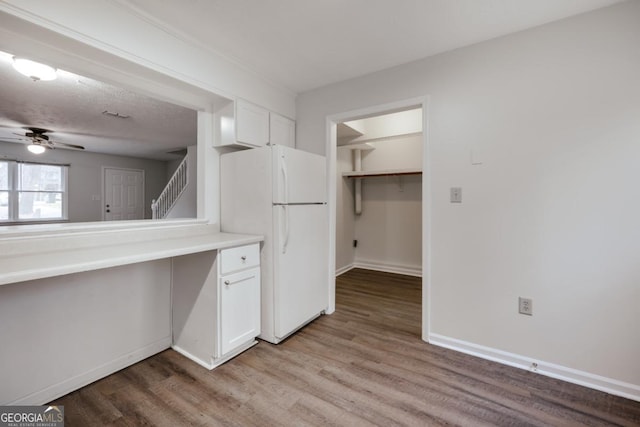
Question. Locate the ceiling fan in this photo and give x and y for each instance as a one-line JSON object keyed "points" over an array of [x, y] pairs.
{"points": [[38, 141]]}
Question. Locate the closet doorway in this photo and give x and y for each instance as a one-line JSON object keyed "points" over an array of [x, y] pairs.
{"points": [[378, 198]]}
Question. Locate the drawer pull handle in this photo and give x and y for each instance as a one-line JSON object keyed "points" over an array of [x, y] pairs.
{"points": [[226, 282], [243, 258]]}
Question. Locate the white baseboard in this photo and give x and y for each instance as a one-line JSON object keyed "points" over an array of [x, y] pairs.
{"points": [[185, 353], [407, 270], [213, 363], [60, 389], [597, 382], [344, 269]]}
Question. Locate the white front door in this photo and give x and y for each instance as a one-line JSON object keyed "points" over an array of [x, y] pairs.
{"points": [[123, 194]]}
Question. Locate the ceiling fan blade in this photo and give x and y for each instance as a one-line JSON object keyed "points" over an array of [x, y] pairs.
{"points": [[21, 137], [31, 138], [65, 145]]}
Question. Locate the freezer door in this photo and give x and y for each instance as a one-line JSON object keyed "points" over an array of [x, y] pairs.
{"points": [[300, 265], [298, 176]]}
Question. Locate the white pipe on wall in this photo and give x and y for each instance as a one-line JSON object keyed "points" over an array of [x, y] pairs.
{"points": [[358, 196], [357, 160], [357, 167]]}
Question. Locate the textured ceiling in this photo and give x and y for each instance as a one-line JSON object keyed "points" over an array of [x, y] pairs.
{"points": [[71, 107], [304, 44]]}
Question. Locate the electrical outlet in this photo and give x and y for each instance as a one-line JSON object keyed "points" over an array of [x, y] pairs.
{"points": [[525, 306]]}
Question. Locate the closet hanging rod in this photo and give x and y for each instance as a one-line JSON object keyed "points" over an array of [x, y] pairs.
{"points": [[390, 172]]}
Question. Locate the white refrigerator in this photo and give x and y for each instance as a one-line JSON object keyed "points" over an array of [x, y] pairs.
{"points": [[280, 193]]}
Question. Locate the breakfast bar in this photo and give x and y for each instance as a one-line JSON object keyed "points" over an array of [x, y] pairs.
{"points": [[79, 303]]}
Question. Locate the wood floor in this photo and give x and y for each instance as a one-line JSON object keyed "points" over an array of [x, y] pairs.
{"points": [[363, 365]]}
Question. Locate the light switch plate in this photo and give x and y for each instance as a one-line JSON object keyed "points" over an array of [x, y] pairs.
{"points": [[456, 195], [476, 157]]}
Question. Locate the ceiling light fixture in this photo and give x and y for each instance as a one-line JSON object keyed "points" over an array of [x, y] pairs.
{"points": [[34, 70], [36, 148]]}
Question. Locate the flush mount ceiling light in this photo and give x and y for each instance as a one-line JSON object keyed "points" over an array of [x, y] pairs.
{"points": [[34, 70], [36, 148]]}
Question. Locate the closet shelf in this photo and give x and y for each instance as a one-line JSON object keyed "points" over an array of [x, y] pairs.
{"points": [[387, 172]]}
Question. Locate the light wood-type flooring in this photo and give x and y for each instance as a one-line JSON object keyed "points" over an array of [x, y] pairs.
{"points": [[363, 365]]}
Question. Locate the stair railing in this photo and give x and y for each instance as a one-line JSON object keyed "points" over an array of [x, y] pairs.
{"points": [[172, 191]]}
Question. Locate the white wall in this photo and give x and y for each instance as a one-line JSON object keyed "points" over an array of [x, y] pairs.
{"points": [[172, 166], [61, 333], [389, 230], [551, 213], [399, 152], [85, 176], [345, 223]]}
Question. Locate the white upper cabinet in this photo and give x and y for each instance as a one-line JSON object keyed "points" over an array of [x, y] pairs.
{"points": [[282, 131], [252, 124], [242, 123]]}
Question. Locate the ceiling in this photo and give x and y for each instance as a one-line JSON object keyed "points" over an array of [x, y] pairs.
{"points": [[383, 126], [295, 44], [72, 107], [305, 44]]}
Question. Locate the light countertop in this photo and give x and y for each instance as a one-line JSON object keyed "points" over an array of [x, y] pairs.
{"points": [[37, 256]]}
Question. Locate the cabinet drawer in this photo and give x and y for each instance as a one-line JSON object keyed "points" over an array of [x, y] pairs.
{"points": [[239, 258]]}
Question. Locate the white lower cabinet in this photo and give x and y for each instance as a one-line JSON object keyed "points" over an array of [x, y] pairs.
{"points": [[216, 303], [239, 309]]}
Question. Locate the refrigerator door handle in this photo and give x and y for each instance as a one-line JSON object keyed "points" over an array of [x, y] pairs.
{"points": [[285, 179], [285, 239]]}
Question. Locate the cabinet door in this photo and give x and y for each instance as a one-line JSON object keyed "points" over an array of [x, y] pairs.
{"points": [[252, 123], [239, 309], [282, 131]]}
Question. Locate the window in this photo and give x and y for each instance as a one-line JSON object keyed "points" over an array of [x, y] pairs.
{"points": [[32, 192]]}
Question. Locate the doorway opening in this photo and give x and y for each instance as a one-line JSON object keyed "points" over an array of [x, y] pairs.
{"points": [[378, 194]]}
